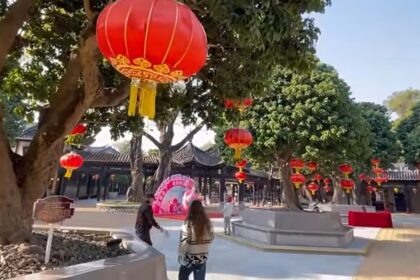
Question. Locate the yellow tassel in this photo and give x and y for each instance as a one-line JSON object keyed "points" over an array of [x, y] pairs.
{"points": [[237, 153], [134, 92], [147, 100], [68, 173]]}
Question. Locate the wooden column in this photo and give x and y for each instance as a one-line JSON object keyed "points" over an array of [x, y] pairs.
{"points": [[222, 187], [407, 198], [78, 185], [88, 185]]}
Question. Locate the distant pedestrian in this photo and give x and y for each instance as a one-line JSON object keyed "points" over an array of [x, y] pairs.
{"points": [[227, 214], [196, 237], [145, 220]]}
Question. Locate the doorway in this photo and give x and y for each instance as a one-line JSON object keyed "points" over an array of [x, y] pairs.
{"points": [[400, 205]]}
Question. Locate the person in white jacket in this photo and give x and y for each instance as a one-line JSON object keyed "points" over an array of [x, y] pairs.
{"points": [[196, 237], [227, 214]]}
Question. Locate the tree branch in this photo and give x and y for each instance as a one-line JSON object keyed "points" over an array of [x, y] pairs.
{"points": [[88, 9], [111, 97], [10, 25], [188, 137], [153, 140]]}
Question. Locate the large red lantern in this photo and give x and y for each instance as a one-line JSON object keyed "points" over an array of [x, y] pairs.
{"points": [[238, 139], [71, 162], [297, 164], [312, 166], [346, 170], [151, 42], [297, 179], [313, 188], [347, 185]]}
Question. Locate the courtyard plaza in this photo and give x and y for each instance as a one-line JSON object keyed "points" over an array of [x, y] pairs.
{"points": [[390, 250]]}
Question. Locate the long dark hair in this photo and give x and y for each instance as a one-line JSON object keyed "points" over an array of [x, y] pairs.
{"points": [[199, 220]]}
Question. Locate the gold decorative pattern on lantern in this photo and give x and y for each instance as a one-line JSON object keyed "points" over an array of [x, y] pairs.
{"points": [[142, 69]]}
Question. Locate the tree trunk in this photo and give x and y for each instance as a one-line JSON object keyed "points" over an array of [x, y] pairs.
{"points": [[136, 163], [338, 192], [290, 195], [13, 20], [25, 179], [164, 168]]}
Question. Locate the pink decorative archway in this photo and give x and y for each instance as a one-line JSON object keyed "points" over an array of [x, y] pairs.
{"points": [[174, 195]]}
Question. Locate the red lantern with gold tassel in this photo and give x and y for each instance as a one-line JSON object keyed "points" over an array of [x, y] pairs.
{"points": [[347, 185], [297, 164], [346, 170], [240, 176], [313, 187], [297, 179], [71, 162], [151, 42], [238, 139], [312, 166], [318, 177], [327, 182]]}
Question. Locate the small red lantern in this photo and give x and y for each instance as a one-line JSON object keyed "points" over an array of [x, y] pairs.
{"points": [[297, 179], [318, 177], [327, 181], [375, 162], [79, 129], [327, 188], [151, 42], [312, 166], [313, 188], [70, 162], [346, 170], [297, 164], [241, 164], [362, 177], [371, 189], [238, 139], [240, 176], [347, 185], [229, 104], [241, 104], [378, 171]]}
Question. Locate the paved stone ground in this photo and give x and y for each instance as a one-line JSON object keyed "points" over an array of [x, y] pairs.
{"points": [[232, 261]]}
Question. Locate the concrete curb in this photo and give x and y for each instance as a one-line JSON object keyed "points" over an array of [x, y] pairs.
{"points": [[297, 249]]}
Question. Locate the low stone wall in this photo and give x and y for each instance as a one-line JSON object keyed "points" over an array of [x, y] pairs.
{"points": [[277, 227], [343, 209], [145, 263], [116, 208]]}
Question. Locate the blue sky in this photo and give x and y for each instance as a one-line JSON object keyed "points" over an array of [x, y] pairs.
{"points": [[373, 44]]}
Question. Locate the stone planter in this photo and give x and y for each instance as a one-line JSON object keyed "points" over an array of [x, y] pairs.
{"points": [[145, 259]]}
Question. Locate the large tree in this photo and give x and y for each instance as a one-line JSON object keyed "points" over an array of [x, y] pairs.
{"points": [[384, 141], [60, 74], [401, 102], [307, 115], [408, 131]]}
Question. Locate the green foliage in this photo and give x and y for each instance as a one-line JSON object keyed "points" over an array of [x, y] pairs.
{"points": [[384, 141], [153, 152], [401, 102], [306, 115], [13, 124], [408, 131]]}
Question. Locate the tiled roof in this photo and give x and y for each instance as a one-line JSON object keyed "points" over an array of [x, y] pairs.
{"points": [[407, 175], [190, 153], [28, 133], [116, 158]]}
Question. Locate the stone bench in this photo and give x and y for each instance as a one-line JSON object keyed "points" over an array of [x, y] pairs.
{"points": [[296, 228]]}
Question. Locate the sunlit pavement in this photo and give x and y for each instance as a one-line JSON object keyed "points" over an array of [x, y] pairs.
{"points": [[231, 261]]}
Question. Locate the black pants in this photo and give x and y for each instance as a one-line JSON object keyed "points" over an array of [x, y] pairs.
{"points": [[198, 270], [145, 236]]}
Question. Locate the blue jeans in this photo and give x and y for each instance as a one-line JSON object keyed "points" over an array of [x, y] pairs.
{"points": [[198, 270]]}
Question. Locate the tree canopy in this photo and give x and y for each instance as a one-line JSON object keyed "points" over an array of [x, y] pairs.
{"points": [[408, 131], [401, 102], [384, 141]]}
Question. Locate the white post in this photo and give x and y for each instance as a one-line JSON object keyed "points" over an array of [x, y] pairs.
{"points": [[49, 242]]}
